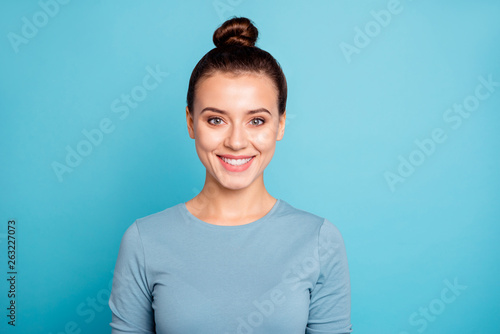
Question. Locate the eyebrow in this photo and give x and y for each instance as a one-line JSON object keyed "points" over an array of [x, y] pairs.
{"points": [[250, 112]]}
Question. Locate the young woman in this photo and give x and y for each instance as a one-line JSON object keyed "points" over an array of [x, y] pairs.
{"points": [[233, 259]]}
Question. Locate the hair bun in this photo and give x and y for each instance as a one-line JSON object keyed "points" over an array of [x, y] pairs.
{"points": [[238, 31]]}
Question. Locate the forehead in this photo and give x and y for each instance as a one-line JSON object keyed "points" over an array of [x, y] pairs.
{"points": [[231, 91]]}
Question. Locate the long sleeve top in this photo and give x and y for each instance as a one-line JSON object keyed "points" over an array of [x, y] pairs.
{"points": [[285, 273]]}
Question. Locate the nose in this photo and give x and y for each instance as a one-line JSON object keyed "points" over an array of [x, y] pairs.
{"points": [[237, 138]]}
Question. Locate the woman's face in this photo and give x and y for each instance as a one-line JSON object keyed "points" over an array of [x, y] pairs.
{"points": [[235, 117]]}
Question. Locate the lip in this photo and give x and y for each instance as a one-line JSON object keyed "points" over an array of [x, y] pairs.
{"points": [[231, 168], [229, 156]]}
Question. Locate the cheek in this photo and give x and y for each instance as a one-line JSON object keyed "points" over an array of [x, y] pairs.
{"points": [[207, 139], [265, 137]]}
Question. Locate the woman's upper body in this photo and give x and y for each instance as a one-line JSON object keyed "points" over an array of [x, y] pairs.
{"points": [[285, 273], [233, 259]]}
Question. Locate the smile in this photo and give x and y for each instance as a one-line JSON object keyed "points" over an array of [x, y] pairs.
{"points": [[236, 162], [235, 165]]}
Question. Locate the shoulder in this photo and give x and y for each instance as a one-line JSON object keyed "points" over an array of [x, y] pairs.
{"points": [[299, 223], [296, 215], [153, 224], [299, 218], [302, 219]]}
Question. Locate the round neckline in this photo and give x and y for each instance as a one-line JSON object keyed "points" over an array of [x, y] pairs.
{"points": [[200, 222]]}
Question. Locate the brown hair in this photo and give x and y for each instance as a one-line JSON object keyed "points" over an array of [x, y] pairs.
{"points": [[235, 52]]}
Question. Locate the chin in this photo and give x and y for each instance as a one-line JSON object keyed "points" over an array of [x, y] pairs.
{"points": [[235, 185]]}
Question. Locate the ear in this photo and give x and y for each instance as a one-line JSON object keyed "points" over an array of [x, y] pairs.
{"points": [[190, 123], [281, 129]]}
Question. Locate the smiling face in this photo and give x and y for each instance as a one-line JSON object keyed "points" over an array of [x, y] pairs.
{"points": [[235, 116]]}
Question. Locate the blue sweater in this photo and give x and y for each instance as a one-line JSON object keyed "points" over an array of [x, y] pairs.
{"points": [[285, 273]]}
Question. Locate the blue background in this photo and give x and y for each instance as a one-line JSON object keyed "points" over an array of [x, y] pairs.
{"points": [[351, 119]]}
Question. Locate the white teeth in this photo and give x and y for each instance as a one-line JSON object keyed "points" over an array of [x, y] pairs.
{"points": [[236, 162]]}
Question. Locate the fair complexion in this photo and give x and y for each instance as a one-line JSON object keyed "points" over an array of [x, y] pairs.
{"points": [[234, 115]]}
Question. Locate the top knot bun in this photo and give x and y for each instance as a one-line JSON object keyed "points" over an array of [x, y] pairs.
{"points": [[238, 31]]}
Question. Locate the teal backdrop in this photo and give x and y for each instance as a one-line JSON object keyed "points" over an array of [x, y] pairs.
{"points": [[392, 134]]}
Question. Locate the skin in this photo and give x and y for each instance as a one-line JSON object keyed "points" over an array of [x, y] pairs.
{"points": [[234, 198]]}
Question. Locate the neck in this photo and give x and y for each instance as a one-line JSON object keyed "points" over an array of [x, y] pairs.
{"points": [[218, 203]]}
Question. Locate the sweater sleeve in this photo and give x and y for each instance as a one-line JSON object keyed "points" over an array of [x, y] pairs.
{"points": [[131, 300], [330, 304]]}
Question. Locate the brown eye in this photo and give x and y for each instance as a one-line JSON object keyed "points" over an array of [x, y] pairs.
{"points": [[257, 119], [219, 120]]}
